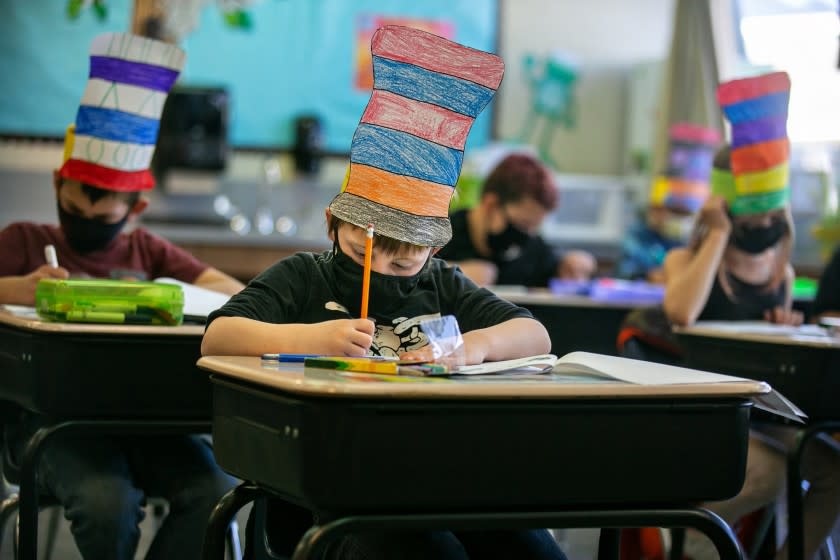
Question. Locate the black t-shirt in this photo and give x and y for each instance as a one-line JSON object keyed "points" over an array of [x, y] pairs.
{"points": [[305, 288], [750, 302], [828, 293], [533, 265]]}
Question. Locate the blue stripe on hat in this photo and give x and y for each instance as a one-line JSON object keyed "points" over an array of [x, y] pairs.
{"points": [[771, 105], [119, 126], [139, 74], [461, 96], [405, 154]]}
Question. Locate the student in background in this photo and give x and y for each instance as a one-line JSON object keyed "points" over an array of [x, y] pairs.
{"points": [[101, 482], [827, 302], [497, 242], [675, 198], [737, 268], [310, 303]]}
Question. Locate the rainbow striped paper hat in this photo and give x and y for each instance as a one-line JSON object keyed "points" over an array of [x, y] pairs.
{"points": [[685, 184], [757, 108], [113, 140], [407, 151]]}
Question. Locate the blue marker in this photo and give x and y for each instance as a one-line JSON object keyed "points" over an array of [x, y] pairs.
{"points": [[289, 357]]}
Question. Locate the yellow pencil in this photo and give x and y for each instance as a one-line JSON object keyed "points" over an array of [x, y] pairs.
{"points": [[366, 276]]}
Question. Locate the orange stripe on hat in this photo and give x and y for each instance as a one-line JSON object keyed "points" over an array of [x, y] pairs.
{"points": [[682, 187], [411, 195], [760, 157]]}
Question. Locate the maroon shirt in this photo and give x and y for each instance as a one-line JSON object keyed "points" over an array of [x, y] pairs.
{"points": [[140, 254]]}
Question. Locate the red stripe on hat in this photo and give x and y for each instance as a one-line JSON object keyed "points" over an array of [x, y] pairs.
{"points": [[759, 157], [425, 120], [749, 88], [106, 177], [694, 133], [415, 196], [405, 44]]}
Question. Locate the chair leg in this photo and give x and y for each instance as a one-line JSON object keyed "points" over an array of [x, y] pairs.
{"points": [[8, 508], [233, 544]]}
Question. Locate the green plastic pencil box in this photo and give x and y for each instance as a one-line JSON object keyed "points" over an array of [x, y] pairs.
{"points": [[109, 301]]}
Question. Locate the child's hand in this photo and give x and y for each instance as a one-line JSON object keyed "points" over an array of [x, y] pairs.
{"points": [[30, 282], [344, 337], [713, 215], [783, 316]]}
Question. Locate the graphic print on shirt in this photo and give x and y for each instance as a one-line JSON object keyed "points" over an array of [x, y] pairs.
{"points": [[403, 335]]}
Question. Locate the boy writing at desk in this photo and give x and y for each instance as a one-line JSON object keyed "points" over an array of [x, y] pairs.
{"points": [[405, 158], [101, 483]]}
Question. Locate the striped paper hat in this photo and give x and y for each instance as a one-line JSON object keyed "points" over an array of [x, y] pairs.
{"points": [[117, 124], [685, 184], [407, 151], [757, 109]]}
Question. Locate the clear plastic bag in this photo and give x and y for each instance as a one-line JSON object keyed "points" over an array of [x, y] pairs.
{"points": [[445, 340]]}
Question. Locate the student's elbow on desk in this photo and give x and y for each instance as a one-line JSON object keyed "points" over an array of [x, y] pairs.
{"points": [[678, 313]]}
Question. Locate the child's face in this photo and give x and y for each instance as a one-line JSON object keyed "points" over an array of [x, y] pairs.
{"points": [[108, 209], [405, 262]]}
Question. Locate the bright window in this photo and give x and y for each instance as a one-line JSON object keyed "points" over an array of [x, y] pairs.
{"points": [[800, 37]]}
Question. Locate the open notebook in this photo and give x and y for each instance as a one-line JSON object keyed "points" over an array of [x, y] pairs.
{"points": [[198, 302], [627, 370]]}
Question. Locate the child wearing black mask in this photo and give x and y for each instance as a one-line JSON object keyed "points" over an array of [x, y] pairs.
{"points": [[310, 303], [497, 242], [737, 267]]}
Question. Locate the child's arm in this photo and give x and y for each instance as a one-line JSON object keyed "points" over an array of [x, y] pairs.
{"points": [[248, 337], [515, 338], [20, 290], [216, 280], [689, 274], [786, 314]]}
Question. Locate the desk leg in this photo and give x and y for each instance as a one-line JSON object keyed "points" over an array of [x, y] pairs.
{"points": [[221, 516], [609, 544], [28, 542], [314, 542], [796, 530]]}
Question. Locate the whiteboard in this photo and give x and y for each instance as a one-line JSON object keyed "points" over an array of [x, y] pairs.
{"points": [[299, 58]]}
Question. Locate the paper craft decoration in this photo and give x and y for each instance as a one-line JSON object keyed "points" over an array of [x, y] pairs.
{"points": [[757, 108], [684, 186], [407, 151], [113, 140]]}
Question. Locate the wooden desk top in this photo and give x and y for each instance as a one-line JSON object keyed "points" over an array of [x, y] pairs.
{"points": [[292, 378], [26, 319], [759, 331], [547, 298]]}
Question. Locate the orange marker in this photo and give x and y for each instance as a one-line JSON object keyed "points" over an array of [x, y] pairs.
{"points": [[366, 273]]}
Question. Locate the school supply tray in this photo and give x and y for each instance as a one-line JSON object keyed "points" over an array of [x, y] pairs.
{"points": [[361, 454], [109, 301]]}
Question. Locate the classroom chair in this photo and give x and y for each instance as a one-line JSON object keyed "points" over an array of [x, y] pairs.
{"points": [[10, 504]]}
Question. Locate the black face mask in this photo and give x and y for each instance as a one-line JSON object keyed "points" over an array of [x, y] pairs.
{"points": [[85, 234], [511, 236], [756, 240], [387, 292]]}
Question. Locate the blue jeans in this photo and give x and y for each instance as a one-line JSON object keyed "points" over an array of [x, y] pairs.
{"points": [[282, 525], [102, 483]]}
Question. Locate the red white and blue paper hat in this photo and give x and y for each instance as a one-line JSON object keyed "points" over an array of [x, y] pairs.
{"points": [[116, 127], [407, 151], [757, 108]]}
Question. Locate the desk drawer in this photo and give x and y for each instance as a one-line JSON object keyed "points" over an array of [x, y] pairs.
{"points": [[72, 375], [338, 454], [808, 376]]}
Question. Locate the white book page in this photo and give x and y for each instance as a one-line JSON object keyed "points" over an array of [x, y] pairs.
{"points": [[198, 302], [531, 364], [637, 372], [762, 327]]}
